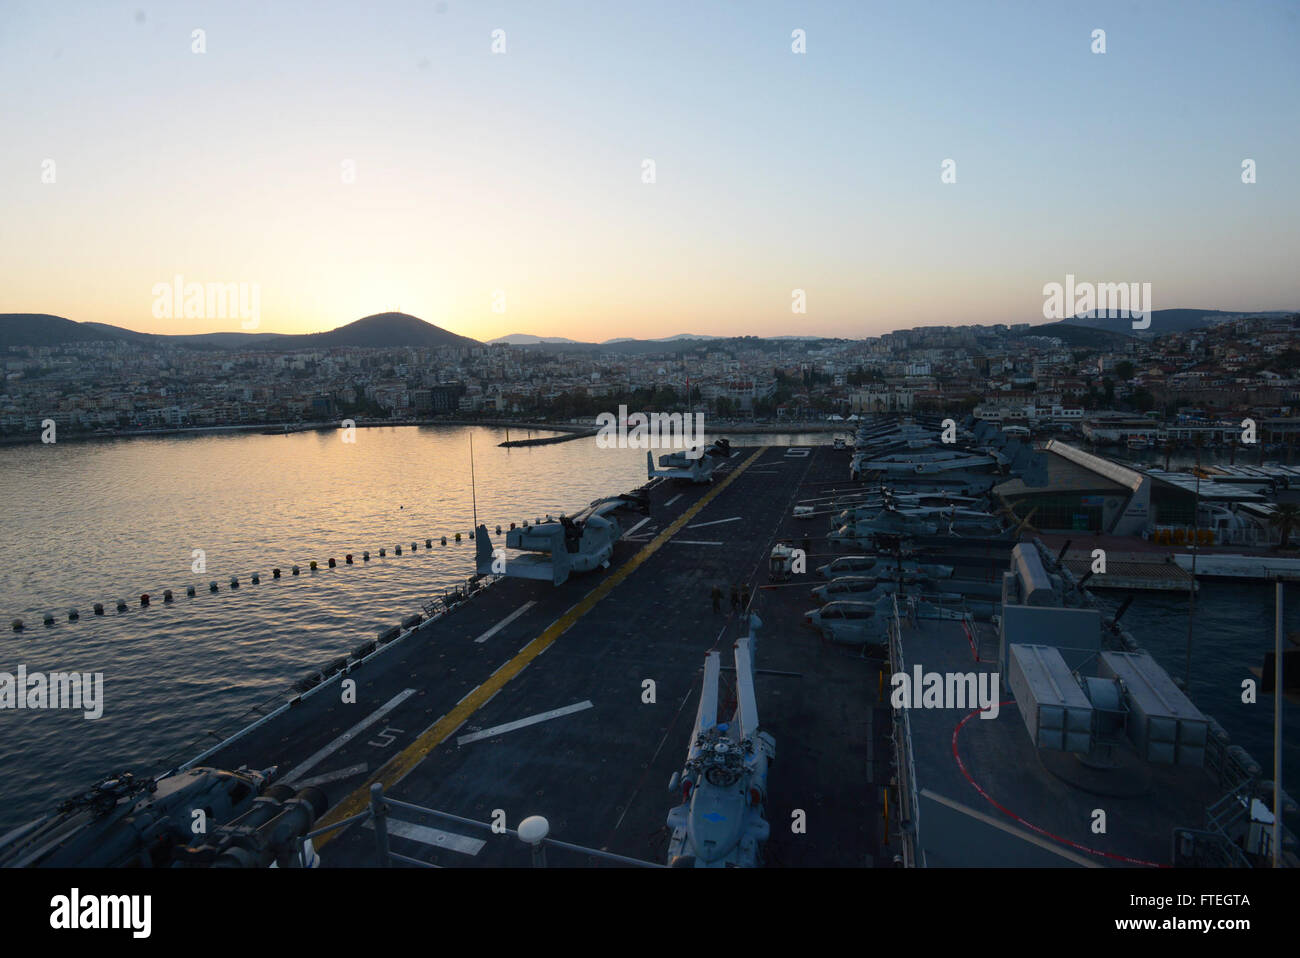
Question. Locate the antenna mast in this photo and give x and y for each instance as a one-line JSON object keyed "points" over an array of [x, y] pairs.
{"points": [[472, 486]]}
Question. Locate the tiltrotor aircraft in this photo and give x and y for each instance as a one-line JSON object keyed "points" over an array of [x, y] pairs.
{"points": [[554, 550], [681, 465]]}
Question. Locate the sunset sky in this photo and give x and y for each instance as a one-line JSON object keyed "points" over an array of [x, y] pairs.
{"points": [[522, 171]]}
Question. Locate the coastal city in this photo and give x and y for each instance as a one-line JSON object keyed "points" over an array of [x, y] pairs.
{"points": [[1189, 387]]}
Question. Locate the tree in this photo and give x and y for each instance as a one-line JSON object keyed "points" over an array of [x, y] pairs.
{"points": [[1124, 370], [1285, 517], [1142, 400]]}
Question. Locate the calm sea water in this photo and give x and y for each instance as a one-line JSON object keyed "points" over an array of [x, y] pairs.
{"points": [[92, 522]]}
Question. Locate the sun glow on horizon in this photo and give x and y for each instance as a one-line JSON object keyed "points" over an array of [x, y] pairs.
{"points": [[348, 163]]}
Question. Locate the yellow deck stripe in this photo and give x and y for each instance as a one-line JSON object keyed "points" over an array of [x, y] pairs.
{"points": [[406, 761]]}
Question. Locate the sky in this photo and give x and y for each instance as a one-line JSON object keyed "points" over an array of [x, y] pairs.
{"points": [[505, 192]]}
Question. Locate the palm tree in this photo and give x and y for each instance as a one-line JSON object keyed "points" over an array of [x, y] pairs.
{"points": [[1285, 517]]}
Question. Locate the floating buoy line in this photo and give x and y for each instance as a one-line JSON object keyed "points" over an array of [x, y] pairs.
{"points": [[317, 680], [74, 614]]}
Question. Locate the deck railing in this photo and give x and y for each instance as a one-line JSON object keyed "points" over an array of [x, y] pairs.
{"points": [[533, 832], [909, 823]]}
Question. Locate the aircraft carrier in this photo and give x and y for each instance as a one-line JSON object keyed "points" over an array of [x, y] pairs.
{"points": [[579, 701]]}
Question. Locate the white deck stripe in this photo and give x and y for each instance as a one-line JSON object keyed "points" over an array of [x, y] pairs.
{"points": [[506, 621], [695, 542], [636, 527], [673, 499], [435, 837], [1010, 829], [334, 776], [522, 723], [715, 522], [348, 736]]}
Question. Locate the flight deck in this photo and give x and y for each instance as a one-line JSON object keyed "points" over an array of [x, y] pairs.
{"points": [[576, 701]]}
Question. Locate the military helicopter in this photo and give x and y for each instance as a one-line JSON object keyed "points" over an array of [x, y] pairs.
{"points": [[888, 520], [857, 588], [853, 623], [720, 822], [692, 468], [555, 549], [912, 503], [868, 564], [124, 821]]}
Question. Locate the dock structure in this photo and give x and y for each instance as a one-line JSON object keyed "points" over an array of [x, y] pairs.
{"points": [[1152, 574], [1135, 563], [547, 440], [578, 703]]}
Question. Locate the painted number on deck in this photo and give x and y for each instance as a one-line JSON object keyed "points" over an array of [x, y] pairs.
{"points": [[387, 738], [797, 452]]}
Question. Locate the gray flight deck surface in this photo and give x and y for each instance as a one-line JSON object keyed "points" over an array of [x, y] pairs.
{"points": [[600, 774]]}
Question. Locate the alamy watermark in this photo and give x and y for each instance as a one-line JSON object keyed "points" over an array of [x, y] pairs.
{"points": [[75, 911], [656, 430], [945, 690], [181, 300], [58, 690], [1111, 300]]}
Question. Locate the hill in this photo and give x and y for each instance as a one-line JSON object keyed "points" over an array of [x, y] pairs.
{"points": [[42, 329], [527, 339], [1163, 321], [1083, 336], [383, 330]]}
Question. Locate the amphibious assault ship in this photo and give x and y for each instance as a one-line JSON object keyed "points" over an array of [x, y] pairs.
{"points": [[449, 740]]}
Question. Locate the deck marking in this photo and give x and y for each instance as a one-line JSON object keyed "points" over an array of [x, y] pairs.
{"points": [[697, 542], [407, 760], [636, 527], [961, 766], [390, 739], [506, 621], [715, 522], [523, 722], [435, 837], [668, 731], [333, 776], [673, 499], [1019, 833], [348, 736]]}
